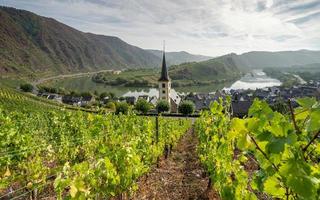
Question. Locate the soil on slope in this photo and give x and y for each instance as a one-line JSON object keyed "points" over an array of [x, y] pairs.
{"points": [[180, 176]]}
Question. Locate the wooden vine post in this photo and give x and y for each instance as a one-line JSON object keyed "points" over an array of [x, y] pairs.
{"points": [[157, 135]]}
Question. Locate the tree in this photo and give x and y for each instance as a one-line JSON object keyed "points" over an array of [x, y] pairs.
{"points": [[111, 106], [186, 108], [86, 94], [191, 94], [96, 93], [142, 106], [280, 106], [62, 91], [74, 94], [103, 95], [112, 95], [122, 107], [163, 106], [44, 89], [26, 87]]}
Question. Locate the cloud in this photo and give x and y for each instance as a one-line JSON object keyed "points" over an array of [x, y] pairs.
{"points": [[210, 27]]}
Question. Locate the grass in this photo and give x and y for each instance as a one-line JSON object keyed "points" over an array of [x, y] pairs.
{"points": [[12, 82]]}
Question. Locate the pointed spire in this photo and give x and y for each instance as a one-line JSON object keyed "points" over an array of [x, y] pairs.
{"points": [[164, 70], [164, 45]]}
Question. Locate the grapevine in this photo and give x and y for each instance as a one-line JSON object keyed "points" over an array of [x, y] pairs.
{"points": [[86, 155], [265, 155]]}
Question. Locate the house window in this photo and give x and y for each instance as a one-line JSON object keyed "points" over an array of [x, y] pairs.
{"points": [[163, 91], [163, 85]]}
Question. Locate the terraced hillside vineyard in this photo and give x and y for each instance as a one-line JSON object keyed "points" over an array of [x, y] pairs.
{"points": [[12, 100], [265, 156], [79, 155]]}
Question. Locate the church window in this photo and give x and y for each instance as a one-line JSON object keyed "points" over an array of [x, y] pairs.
{"points": [[163, 91], [163, 85]]}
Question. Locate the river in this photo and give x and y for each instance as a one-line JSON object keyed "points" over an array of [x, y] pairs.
{"points": [[254, 80]]}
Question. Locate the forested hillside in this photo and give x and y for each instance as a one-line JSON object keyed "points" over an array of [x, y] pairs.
{"points": [[33, 44], [213, 69], [263, 59], [230, 65]]}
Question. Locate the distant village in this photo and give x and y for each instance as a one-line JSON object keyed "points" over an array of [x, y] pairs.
{"points": [[241, 99]]}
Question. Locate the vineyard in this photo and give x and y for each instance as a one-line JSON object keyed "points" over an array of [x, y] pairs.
{"points": [[47, 151], [78, 155], [265, 156], [11, 99]]}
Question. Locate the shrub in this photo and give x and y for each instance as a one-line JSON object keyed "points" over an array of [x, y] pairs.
{"points": [[74, 94], [103, 95], [26, 87], [163, 106], [111, 106], [186, 108], [86, 94], [122, 107], [142, 106], [43, 89]]}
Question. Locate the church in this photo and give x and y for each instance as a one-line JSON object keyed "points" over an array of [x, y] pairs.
{"points": [[165, 91]]}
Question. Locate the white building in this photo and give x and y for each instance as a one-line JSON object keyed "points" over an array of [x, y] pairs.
{"points": [[165, 91]]}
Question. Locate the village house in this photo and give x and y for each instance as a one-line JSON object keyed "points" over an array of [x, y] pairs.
{"points": [[130, 100], [71, 100], [87, 100], [240, 108], [50, 96], [116, 72], [145, 97], [201, 101], [153, 100]]}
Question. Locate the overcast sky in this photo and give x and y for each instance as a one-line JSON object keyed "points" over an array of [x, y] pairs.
{"points": [[208, 27]]}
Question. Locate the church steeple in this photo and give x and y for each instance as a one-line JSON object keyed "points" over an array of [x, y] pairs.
{"points": [[164, 71], [164, 80]]}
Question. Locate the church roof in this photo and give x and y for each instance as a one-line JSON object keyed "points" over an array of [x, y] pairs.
{"points": [[164, 70], [175, 96]]}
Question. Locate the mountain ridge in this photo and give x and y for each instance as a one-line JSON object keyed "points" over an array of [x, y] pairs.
{"points": [[34, 45], [179, 57], [61, 47], [263, 59], [232, 65]]}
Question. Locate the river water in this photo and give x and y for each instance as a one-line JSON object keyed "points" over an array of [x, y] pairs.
{"points": [[254, 80]]}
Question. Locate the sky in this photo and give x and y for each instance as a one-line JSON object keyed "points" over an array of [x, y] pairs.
{"points": [[207, 27]]}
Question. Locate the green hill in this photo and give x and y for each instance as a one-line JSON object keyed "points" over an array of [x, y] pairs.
{"points": [[206, 72], [31, 44], [230, 66], [176, 58], [263, 59]]}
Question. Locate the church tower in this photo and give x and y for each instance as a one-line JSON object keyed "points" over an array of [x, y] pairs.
{"points": [[164, 81]]}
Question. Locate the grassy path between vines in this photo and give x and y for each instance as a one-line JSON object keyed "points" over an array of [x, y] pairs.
{"points": [[178, 177]]}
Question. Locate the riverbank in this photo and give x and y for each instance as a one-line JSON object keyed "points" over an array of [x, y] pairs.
{"points": [[255, 79]]}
